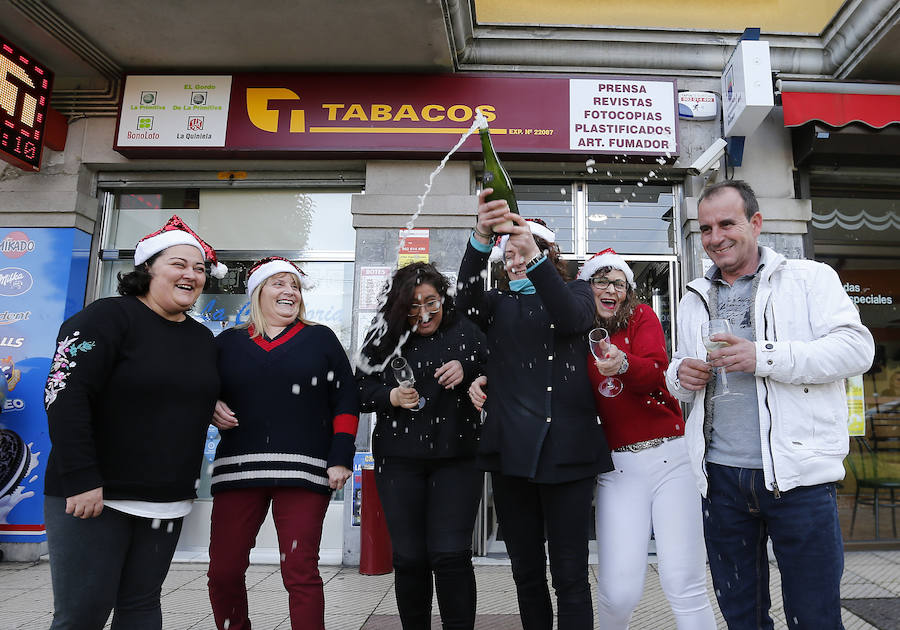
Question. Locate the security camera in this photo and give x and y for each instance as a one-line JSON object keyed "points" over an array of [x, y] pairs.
{"points": [[710, 158]]}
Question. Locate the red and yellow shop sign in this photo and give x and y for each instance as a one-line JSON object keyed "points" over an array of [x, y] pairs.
{"points": [[332, 115]]}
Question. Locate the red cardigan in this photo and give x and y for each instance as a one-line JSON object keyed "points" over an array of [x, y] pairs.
{"points": [[644, 409]]}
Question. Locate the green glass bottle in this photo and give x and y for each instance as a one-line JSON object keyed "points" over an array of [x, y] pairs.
{"points": [[495, 176]]}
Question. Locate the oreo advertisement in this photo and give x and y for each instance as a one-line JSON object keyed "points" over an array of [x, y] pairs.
{"points": [[43, 272]]}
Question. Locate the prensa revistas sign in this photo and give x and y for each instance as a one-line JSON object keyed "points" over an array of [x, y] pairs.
{"points": [[335, 115]]}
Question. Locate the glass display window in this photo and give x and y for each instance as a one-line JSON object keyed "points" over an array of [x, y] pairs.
{"points": [[632, 218], [859, 237]]}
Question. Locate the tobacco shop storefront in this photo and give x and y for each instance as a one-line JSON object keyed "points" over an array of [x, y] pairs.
{"points": [[306, 167]]}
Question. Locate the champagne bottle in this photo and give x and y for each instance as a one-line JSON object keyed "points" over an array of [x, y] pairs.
{"points": [[495, 176]]}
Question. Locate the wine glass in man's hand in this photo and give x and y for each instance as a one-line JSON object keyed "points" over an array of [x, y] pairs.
{"points": [[707, 330]]}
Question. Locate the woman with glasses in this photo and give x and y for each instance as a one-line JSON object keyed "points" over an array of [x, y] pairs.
{"points": [[541, 439], [651, 489], [425, 468]]}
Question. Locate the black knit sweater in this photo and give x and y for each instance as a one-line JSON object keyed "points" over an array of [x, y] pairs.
{"points": [[129, 399], [541, 420], [448, 424], [296, 404]]}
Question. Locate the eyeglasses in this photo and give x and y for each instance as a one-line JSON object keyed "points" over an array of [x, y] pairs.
{"points": [[431, 306], [603, 283]]}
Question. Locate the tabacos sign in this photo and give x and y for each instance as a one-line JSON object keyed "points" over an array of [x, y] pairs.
{"points": [[16, 244], [15, 281], [338, 115]]}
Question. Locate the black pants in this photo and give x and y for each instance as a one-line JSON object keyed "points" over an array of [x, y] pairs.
{"points": [[114, 561], [430, 507], [527, 510]]}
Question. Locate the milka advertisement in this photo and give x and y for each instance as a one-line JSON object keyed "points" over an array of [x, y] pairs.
{"points": [[42, 279]]}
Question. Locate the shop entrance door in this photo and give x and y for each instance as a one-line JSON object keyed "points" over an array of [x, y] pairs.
{"points": [[656, 277]]}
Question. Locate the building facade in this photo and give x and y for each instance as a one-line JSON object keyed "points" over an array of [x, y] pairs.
{"points": [[337, 122]]}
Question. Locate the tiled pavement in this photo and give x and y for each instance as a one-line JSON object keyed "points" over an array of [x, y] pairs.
{"points": [[358, 602]]}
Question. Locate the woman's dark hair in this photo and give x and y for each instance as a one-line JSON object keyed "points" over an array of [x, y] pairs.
{"points": [[396, 306], [498, 269], [620, 320], [137, 282]]}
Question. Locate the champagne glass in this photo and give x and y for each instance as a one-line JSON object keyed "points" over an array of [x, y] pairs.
{"points": [[405, 377], [598, 340], [707, 330]]}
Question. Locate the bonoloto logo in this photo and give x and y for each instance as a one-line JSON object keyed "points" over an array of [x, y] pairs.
{"points": [[16, 244]]}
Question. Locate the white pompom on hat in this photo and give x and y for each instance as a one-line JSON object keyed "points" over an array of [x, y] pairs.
{"points": [[607, 258], [177, 232], [272, 265], [538, 228]]}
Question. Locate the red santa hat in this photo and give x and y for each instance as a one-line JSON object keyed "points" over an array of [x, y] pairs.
{"points": [[538, 228], [269, 267], [607, 258], [177, 232]]}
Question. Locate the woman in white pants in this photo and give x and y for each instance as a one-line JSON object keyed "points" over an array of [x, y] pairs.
{"points": [[651, 489]]}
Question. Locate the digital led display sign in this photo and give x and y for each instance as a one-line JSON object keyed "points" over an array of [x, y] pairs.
{"points": [[25, 86]]}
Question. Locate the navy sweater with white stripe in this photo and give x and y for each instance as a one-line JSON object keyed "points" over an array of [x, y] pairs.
{"points": [[296, 404]]}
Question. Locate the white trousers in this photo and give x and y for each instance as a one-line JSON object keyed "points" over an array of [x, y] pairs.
{"points": [[651, 491]]}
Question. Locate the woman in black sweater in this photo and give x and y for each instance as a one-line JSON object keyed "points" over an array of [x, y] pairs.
{"points": [[131, 390], [542, 440], [288, 417], [425, 468]]}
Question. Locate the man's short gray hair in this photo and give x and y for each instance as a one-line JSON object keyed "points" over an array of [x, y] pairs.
{"points": [[751, 205]]}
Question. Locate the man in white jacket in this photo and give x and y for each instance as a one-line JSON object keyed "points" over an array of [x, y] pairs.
{"points": [[767, 455]]}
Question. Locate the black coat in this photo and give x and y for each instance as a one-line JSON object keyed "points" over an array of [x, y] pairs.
{"points": [[448, 425], [541, 420]]}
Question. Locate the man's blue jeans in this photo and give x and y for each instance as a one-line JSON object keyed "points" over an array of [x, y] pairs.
{"points": [[739, 513]]}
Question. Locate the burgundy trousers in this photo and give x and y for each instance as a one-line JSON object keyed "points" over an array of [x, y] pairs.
{"points": [[236, 518]]}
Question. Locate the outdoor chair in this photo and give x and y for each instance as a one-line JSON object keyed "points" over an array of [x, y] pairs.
{"points": [[873, 487]]}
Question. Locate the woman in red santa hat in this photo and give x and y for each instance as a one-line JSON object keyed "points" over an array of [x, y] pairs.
{"points": [[288, 416], [651, 488], [131, 390]]}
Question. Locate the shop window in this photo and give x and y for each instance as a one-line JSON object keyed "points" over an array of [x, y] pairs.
{"points": [[860, 238], [241, 220], [554, 205], [631, 218]]}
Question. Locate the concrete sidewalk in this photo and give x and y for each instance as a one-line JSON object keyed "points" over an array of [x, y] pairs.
{"points": [[871, 588]]}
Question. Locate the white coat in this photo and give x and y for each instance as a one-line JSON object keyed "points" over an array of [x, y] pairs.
{"points": [[809, 338]]}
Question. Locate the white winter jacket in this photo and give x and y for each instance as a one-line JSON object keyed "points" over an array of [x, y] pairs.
{"points": [[809, 338]]}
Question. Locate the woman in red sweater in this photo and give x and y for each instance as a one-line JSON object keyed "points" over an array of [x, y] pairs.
{"points": [[651, 489]]}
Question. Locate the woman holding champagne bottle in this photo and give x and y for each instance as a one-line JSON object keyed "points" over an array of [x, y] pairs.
{"points": [[541, 439], [651, 488], [424, 443]]}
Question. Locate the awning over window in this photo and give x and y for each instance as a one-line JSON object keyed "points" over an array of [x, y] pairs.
{"points": [[839, 104]]}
